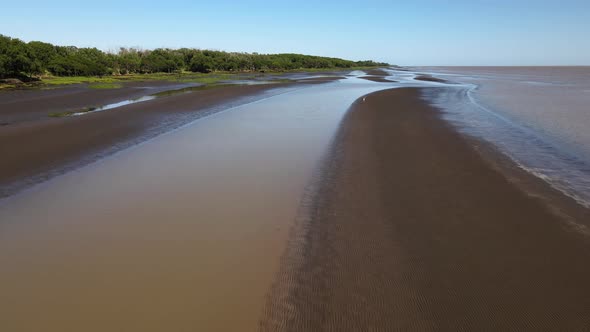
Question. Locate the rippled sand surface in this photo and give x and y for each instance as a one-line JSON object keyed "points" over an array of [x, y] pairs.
{"points": [[412, 230]]}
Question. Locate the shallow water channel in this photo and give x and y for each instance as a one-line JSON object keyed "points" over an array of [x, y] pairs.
{"points": [[181, 233]]}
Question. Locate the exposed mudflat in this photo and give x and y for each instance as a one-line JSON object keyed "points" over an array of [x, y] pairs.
{"points": [[379, 79], [376, 72], [26, 105], [43, 147], [429, 78]]}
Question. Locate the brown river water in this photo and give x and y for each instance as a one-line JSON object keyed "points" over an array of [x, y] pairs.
{"points": [[181, 233]]}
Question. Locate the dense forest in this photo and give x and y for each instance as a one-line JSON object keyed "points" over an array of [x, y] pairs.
{"points": [[26, 60]]}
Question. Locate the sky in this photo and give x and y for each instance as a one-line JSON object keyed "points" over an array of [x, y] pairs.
{"points": [[418, 32]]}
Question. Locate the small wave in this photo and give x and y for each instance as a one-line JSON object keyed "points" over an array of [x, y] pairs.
{"points": [[529, 150]]}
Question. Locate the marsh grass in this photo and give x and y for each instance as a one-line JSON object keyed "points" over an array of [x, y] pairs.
{"points": [[116, 81]]}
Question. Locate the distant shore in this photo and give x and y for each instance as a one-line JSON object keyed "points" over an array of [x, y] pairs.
{"points": [[119, 81], [413, 229]]}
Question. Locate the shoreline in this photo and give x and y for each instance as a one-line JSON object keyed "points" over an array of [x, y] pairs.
{"points": [[417, 227], [171, 78], [573, 213]]}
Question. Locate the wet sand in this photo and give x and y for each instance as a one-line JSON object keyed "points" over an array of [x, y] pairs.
{"points": [[42, 147], [377, 75], [412, 230], [376, 72], [320, 79], [379, 79], [18, 106], [429, 78]]}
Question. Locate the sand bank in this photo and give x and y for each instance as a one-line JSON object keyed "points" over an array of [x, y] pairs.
{"points": [[412, 230]]}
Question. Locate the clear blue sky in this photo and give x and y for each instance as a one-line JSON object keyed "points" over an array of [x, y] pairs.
{"points": [[419, 32]]}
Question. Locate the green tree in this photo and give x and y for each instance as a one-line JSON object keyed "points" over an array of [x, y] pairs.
{"points": [[201, 63], [41, 55], [19, 59]]}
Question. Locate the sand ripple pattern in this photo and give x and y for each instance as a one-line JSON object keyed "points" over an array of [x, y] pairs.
{"points": [[410, 230]]}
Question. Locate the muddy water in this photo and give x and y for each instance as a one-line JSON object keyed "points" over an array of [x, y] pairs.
{"points": [[537, 116], [181, 233]]}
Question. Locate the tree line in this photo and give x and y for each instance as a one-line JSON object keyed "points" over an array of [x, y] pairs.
{"points": [[26, 60]]}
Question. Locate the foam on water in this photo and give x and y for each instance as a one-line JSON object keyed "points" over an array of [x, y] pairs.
{"points": [[536, 117]]}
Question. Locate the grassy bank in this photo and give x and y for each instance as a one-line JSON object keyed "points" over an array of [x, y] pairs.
{"points": [[116, 81]]}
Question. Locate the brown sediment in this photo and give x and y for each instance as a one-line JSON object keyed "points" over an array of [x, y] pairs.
{"points": [[18, 106], [379, 79], [321, 79], [412, 229], [429, 78], [376, 72], [35, 150]]}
